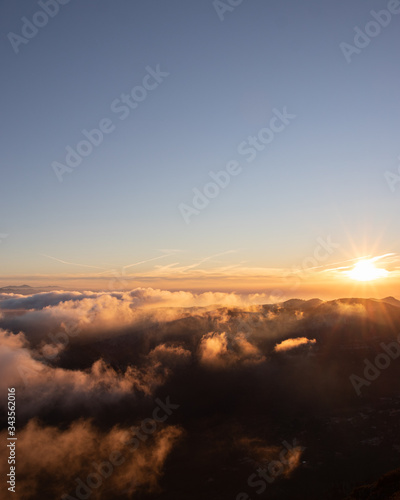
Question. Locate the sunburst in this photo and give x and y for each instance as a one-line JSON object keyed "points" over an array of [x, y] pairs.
{"points": [[365, 270]]}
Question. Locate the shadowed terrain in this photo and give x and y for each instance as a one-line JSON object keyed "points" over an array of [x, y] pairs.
{"points": [[293, 400]]}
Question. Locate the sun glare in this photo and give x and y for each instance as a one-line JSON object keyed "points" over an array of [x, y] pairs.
{"points": [[365, 270]]}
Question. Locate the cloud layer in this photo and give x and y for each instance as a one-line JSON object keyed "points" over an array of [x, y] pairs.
{"points": [[89, 366], [67, 458]]}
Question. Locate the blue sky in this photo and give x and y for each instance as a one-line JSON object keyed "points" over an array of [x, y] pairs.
{"points": [[322, 175]]}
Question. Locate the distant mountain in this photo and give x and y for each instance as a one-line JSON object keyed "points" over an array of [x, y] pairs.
{"points": [[28, 290], [392, 301], [293, 303], [312, 303], [20, 286], [301, 303]]}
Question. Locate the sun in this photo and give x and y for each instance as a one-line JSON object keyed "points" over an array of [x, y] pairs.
{"points": [[365, 270]]}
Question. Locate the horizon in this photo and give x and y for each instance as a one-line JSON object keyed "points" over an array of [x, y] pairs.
{"points": [[254, 297]]}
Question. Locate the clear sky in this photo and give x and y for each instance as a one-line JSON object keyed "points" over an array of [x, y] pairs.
{"points": [[212, 84]]}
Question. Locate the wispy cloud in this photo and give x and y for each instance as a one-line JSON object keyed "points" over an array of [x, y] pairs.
{"points": [[70, 263]]}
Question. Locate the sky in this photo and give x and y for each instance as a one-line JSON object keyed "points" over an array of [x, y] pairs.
{"points": [[210, 81]]}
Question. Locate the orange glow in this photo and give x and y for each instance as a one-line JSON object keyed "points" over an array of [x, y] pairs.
{"points": [[365, 270]]}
